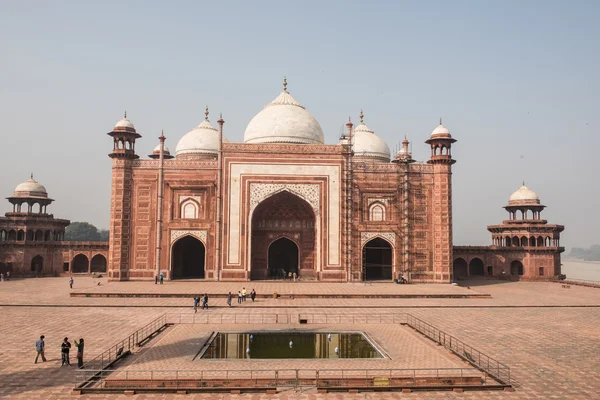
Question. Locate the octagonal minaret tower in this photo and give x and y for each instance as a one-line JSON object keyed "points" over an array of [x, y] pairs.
{"points": [[124, 136], [441, 158]]}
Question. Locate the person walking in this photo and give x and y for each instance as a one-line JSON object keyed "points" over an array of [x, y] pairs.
{"points": [[253, 294], [71, 282], [1, 277], [229, 299], [239, 297], [162, 277], [8, 275], [244, 294], [64, 351], [40, 346], [155, 279], [205, 301], [196, 302], [79, 352]]}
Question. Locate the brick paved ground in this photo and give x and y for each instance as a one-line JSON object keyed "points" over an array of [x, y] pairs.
{"points": [[554, 353]]}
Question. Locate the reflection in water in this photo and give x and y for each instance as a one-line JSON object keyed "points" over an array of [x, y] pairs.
{"points": [[261, 345]]}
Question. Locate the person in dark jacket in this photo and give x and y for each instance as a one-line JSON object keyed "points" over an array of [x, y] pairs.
{"points": [[64, 351]]}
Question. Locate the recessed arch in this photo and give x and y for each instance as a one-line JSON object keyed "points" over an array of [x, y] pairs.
{"points": [[377, 255], [189, 209], [515, 241], [287, 214], [283, 257], [476, 267], [188, 258], [80, 264], [37, 264], [39, 235], [377, 212], [98, 263], [460, 268], [516, 268], [30, 235]]}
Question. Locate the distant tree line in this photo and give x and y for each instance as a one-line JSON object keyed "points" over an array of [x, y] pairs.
{"points": [[85, 232], [592, 253]]}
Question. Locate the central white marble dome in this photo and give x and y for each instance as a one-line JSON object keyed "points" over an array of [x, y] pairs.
{"points": [[284, 120]]}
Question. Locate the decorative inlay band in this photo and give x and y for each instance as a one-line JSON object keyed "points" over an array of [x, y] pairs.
{"points": [[308, 192], [198, 234], [366, 236]]}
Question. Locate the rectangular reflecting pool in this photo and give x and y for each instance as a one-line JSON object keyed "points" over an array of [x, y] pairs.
{"points": [[281, 345]]}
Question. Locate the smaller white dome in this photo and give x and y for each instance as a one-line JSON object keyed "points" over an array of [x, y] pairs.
{"points": [[165, 149], [30, 188], [368, 144], [124, 124], [524, 194], [203, 139], [440, 131]]}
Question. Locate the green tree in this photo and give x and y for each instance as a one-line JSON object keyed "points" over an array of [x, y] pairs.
{"points": [[85, 232]]}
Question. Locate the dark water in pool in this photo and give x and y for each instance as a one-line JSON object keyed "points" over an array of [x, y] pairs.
{"points": [[266, 345]]}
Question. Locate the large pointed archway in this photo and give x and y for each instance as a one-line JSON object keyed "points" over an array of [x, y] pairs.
{"points": [[283, 215], [188, 257], [283, 258], [377, 260]]}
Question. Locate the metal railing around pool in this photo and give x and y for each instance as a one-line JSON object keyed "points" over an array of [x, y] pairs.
{"points": [[107, 358], [215, 380], [233, 318]]}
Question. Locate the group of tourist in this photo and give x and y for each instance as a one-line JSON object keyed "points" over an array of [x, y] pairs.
{"points": [[241, 298], [159, 278], [65, 347], [3, 277], [204, 302]]}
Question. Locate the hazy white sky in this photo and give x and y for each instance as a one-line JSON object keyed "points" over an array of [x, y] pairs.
{"points": [[515, 82]]}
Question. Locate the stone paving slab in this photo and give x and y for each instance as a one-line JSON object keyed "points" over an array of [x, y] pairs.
{"points": [[55, 291], [553, 352]]}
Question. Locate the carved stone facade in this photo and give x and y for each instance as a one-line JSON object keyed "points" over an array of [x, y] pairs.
{"points": [[281, 203]]}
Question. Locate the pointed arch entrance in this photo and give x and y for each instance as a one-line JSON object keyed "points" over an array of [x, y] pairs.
{"points": [[188, 258], [283, 258], [37, 264], [283, 215], [377, 260], [460, 268], [476, 267]]}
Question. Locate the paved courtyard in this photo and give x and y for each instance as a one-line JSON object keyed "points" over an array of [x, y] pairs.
{"points": [[548, 335]]}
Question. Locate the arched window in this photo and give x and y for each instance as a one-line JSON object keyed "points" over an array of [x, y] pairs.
{"points": [[540, 241], [189, 209], [377, 212]]}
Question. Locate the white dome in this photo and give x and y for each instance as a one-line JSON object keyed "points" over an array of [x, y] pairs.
{"points": [[30, 188], [284, 120], [524, 194], [203, 139], [124, 123], [368, 144], [440, 131], [165, 149]]}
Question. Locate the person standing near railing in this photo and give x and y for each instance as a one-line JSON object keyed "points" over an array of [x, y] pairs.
{"points": [[196, 302], [79, 352], [229, 299]]}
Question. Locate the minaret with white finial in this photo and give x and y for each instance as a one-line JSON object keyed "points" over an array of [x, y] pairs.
{"points": [[441, 142], [123, 154]]}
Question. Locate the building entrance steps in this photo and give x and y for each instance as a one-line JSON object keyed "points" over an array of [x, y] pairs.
{"points": [[284, 290]]}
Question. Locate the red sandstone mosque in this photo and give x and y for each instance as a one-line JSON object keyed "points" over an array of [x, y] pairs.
{"points": [[285, 203]]}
